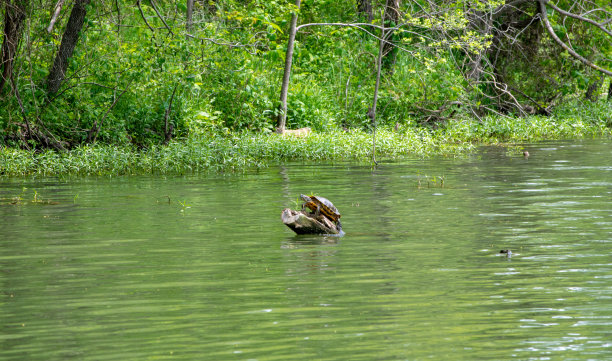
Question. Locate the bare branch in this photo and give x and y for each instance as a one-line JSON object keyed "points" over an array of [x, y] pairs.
{"points": [[546, 22], [58, 9], [143, 16], [581, 18], [161, 18], [222, 43], [361, 26]]}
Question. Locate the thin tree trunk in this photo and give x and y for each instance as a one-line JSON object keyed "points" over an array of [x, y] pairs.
{"points": [[13, 24], [69, 40], [118, 16], [189, 16], [391, 19], [282, 117], [610, 91], [372, 112], [364, 8]]}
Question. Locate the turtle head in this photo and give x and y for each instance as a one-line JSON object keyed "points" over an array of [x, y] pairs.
{"points": [[305, 198]]}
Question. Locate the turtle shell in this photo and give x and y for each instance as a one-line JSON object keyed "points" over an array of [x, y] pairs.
{"points": [[326, 207]]}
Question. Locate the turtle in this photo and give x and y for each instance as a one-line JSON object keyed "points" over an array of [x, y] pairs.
{"points": [[322, 205]]}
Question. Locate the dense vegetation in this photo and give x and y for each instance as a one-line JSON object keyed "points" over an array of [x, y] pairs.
{"points": [[247, 150], [204, 77]]}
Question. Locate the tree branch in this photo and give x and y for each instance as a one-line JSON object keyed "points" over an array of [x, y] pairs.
{"points": [[544, 18], [58, 9], [143, 16], [361, 27], [221, 43], [161, 18], [581, 18]]}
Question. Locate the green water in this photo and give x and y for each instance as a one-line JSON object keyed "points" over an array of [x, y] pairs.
{"points": [[201, 267]]}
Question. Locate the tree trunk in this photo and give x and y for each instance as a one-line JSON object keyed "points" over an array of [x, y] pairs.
{"points": [[282, 116], [391, 19], [69, 40], [364, 8], [610, 91], [189, 16], [592, 92], [13, 24], [372, 113]]}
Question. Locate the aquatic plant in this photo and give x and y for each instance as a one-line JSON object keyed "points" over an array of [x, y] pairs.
{"points": [[22, 199], [430, 182]]}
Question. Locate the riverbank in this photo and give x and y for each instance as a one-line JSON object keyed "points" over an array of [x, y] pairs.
{"points": [[217, 153], [241, 151]]}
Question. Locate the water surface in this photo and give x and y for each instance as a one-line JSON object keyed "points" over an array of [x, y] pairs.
{"points": [[201, 267]]}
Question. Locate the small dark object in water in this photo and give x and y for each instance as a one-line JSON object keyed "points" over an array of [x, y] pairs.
{"points": [[526, 154], [507, 252]]}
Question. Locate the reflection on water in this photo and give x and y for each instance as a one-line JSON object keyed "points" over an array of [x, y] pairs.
{"points": [[202, 267]]}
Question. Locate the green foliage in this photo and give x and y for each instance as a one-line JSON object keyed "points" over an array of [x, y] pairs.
{"points": [[543, 70], [122, 78], [219, 150], [227, 75]]}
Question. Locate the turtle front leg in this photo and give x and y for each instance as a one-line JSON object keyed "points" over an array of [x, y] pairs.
{"points": [[318, 211]]}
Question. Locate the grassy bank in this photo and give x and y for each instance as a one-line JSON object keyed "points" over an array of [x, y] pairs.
{"points": [[211, 152], [239, 151]]}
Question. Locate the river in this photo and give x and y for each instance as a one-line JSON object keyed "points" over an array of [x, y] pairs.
{"points": [[201, 267]]}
